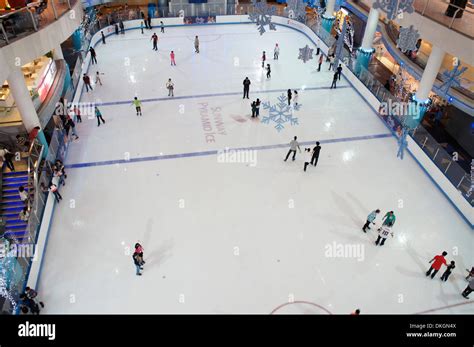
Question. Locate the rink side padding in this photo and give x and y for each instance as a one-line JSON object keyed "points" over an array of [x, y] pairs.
{"points": [[425, 163]]}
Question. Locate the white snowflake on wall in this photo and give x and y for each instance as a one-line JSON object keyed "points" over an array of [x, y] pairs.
{"points": [[262, 15]]}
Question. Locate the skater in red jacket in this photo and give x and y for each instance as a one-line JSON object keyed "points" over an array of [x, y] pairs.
{"points": [[437, 261]]}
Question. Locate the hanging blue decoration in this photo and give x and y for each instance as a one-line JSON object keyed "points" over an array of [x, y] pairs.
{"points": [[296, 9], [339, 51], [262, 15], [451, 78], [407, 39]]}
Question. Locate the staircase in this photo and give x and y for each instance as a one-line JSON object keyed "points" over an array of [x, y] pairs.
{"points": [[11, 205]]}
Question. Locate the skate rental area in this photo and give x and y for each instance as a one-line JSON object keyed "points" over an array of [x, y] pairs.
{"points": [[207, 167]]}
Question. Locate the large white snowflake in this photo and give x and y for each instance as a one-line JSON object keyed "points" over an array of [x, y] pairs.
{"points": [[306, 53], [296, 9], [394, 8], [407, 39], [280, 113], [262, 15]]}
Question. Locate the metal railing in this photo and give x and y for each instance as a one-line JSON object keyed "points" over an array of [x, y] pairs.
{"points": [[22, 22]]}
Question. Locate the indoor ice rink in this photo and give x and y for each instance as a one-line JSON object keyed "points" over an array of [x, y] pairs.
{"points": [[241, 237]]}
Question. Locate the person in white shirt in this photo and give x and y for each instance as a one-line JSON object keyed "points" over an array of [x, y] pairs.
{"points": [[294, 145], [170, 87], [276, 52], [295, 98], [6, 157], [384, 231]]}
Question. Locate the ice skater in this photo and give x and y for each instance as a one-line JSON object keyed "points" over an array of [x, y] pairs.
{"points": [[320, 62], [154, 38], [295, 98], [173, 62], [334, 81], [98, 115], [103, 37], [370, 219], [97, 78], [87, 82], [170, 87], [469, 289], [122, 28], [54, 189], [307, 155], [269, 71], [136, 261], [331, 61], [141, 26], [253, 106], [339, 72], [138, 106], [448, 271], [438, 261], [276, 52], [196, 44], [139, 250], [32, 294], [246, 84], [257, 108], [316, 150], [294, 145], [162, 26], [77, 112], [72, 125], [389, 219], [289, 96], [384, 231], [264, 57], [148, 20], [470, 274], [116, 29]]}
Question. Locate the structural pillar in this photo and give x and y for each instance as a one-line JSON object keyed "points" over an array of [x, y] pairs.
{"points": [[328, 16], [58, 53], [22, 97], [428, 78], [365, 51]]}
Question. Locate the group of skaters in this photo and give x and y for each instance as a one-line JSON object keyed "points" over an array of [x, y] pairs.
{"points": [[436, 262], [59, 179], [29, 303], [311, 156]]}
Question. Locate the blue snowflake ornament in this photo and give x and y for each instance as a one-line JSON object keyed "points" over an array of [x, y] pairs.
{"points": [[262, 15], [306, 53], [407, 39], [394, 8], [451, 78], [280, 113]]}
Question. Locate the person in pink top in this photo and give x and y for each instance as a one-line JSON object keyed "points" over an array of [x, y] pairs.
{"points": [[139, 250], [172, 59], [438, 261]]}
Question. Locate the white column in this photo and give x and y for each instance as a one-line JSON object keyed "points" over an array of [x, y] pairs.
{"points": [[429, 74], [370, 29], [58, 53], [330, 8], [21, 95]]}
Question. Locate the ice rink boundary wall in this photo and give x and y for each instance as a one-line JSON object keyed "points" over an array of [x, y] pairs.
{"points": [[425, 163]]}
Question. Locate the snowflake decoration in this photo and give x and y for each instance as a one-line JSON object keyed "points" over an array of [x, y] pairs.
{"points": [[407, 39], [262, 15], [296, 9], [394, 8], [280, 113], [306, 53], [452, 78]]}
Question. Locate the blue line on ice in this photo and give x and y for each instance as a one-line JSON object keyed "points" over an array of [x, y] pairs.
{"points": [[214, 151], [126, 102]]}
